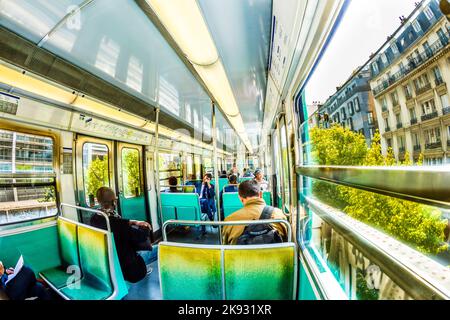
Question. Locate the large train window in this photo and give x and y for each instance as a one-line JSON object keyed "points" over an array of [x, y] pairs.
{"points": [[95, 170], [208, 165], [197, 167], [285, 165], [169, 165], [131, 175], [27, 177]]}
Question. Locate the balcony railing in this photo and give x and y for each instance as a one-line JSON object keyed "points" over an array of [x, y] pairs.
{"points": [[434, 145], [423, 89], [446, 110], [429, 116], [413, 64], [399, 125], [438, 81], [413, 121], [409, 96]]}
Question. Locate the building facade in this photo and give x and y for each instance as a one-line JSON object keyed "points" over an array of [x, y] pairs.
{"points": [[352, 105], [410, 74]]}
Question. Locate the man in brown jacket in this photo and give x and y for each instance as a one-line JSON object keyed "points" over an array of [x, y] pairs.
{"points": [[251, 196]]}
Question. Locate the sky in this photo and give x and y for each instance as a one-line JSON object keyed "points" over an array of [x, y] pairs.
{"points": [[362, 31]]}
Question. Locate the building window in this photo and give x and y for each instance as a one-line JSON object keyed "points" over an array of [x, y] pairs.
{"points": [[384, 104], [412, 114], [389, 143], [416, 141], [344, 114], [384, 58], [350, 123], [429, 13], [428, 107], [408, 91], [398, 118], [401, 143], [386, 124], [394, 98], [432, 135], [437, 76], [416, 26], [371, 132], [370, 117], [375, 68], [351, 109], [357, 105], [394, 48]]}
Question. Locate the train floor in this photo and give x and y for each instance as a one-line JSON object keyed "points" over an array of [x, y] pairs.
{"points": [[149, 288]]}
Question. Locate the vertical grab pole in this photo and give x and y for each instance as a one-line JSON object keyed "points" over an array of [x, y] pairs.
{"points": [[158, 191], [216, 176]]}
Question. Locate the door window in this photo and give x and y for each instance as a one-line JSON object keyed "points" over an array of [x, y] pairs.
{"points": [[95, 170], [131, 175]]}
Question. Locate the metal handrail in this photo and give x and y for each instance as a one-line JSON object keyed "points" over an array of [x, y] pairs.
{"points": [[108, 226], [227, 223], [399, 182]]}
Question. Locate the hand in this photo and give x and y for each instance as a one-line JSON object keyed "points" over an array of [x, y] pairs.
{"points": [[141, 224], [10, 271], [2, 269]]}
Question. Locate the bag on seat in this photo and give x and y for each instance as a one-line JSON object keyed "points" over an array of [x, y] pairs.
{"points": [[260, 233]]}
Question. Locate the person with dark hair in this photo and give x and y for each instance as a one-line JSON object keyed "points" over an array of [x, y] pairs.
{"points": [[206, 194], [173, 182], [231, 187], [223, 174], [251, 196], [130, 236], [247, 173], [24, 285], [259, 177]]}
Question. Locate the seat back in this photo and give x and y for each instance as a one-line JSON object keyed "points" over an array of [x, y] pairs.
{"points": [[245, 179], [231, 203], [267, 196], [189, 271], [68, 243], [94, 257], [222, 183], [180, 206]]}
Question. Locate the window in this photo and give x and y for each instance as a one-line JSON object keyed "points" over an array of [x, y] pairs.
{"points": [[416, 140], [384, 104], [432, 135], [394, 98], [389, 143], [344, 114], [169, 165], [33, 197], [384, 58], [444, 101], [401, 143], [350, 123], [370, 117], [394, 48], [428, 107], [416, 26], [386, 124], [131, 173], [412, 113], [398, 118], [429, 13], [357, 105], [351, 110], [375, 68], [95, 170], [408, 91]]}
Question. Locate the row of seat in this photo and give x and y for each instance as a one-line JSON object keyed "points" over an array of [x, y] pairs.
{"points": [[186, 206], [89, 267]]}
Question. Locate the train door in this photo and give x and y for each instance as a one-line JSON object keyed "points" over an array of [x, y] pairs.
{"points": [[95, 169], [276, 170], [131, 182], [285, 165]]}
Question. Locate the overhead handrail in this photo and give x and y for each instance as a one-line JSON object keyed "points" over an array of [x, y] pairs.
{"points": [[427, 185], [227, 223]]}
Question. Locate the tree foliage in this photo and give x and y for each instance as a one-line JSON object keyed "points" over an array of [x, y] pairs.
{"points": [[418, 225], [97, 175], [131, 174]]}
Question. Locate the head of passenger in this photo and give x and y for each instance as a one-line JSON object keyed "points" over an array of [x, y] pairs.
{"points": [[232, 179], [259, 175], [107, 199], [173, 182], [207, 178], [249, 190]]}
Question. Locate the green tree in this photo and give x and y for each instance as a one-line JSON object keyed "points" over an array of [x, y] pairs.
{"points": [[416, 224], [131, 174], [97, 175]]}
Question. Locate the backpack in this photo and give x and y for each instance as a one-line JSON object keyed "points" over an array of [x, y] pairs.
{"points": [[260, 233]]}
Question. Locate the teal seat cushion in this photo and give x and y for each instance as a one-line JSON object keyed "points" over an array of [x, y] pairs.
{"points": [[58, 277], [85, 290]]}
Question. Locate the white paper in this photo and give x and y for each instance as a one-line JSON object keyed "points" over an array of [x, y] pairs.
{"points": [[17, 269]]}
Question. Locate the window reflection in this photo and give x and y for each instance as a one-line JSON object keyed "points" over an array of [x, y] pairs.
{"points": [[168, 97], [135, 74], [107, 56]]}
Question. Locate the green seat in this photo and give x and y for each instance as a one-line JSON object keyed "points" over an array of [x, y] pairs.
{"points": [[180, 206], [202, 272], [245, 179], [68, 250], [231, 203], [222, 183], [188, 273], [267, 196], [94, 259]]}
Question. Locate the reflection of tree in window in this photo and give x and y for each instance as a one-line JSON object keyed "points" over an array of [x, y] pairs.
{"points": [[130, 171]]}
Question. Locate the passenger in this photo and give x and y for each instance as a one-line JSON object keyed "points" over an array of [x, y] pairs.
{"points": [[259, 177], [173, 182], [247, 173], [207, 193], [23, 286], [130, 236], [234, 170], [223, 174], [231, 187], [250, 195]]}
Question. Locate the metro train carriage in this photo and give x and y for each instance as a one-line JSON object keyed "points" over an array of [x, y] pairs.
{"points": [[224, 150]]}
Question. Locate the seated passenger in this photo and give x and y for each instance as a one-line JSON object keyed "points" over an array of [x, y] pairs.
{"points": [[223, 174], [234, 170], [231, 187], [250, 195], [259, 177], [130, 236], [173, 182], [24, 285], [207, 195], [247, 173]]}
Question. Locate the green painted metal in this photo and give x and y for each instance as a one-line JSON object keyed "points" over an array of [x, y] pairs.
{"points": [[245, 179], [306, 291], [222, 183], [267, 196], [133, 208], [181, 206], [39, 248], [231, 203], [190, 274]]}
